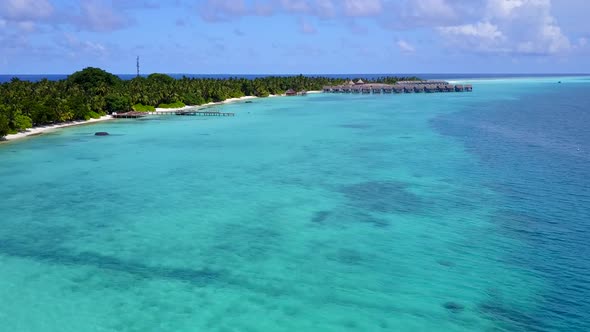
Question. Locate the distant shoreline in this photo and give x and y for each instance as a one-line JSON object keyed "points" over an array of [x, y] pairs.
{"points": [[4, 78], [36, 131]]}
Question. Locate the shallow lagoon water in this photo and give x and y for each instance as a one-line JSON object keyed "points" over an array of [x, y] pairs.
{"points": [[326, 213]]}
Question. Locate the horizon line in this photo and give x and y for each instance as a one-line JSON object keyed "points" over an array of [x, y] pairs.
{"points": [[291, 74]]}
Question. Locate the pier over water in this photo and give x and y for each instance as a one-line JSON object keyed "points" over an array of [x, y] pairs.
{"points": [[135, 115], [399, 87]]}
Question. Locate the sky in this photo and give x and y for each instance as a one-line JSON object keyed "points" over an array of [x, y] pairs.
{"points": [[295, 36]]}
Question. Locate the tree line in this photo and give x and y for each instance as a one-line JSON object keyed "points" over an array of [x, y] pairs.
{"points": [[93, 92]]}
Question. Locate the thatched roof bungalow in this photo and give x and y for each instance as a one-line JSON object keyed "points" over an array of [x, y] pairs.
{"points": [[291, 92], [427, 82], [400, 87]]}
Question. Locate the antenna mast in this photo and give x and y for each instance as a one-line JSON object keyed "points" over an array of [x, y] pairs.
{"points": [[137, 66]]}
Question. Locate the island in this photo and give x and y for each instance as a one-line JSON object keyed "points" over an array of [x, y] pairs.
{"points": [[93, 93]]}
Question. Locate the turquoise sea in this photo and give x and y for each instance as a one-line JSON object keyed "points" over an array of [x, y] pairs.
{"points": [[418, 212]]}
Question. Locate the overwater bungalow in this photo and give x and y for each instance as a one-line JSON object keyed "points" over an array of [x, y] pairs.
{"points": [[425, 82], [291, 92], [400, 87]]}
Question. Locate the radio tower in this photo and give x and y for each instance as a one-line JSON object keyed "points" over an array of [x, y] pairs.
{"points": [[137, 66]]}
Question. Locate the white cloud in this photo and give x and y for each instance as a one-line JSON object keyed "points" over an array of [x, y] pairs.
{"points": [[306, 27], [362, 7], [511, 26], [325, 8], [295, 6], [331, 8], [262, 8], [76, 46], [480, 37], [504, 8], [481, 30], [222, 10], [96, 16], [430, 9], [409, 14], [492, 26], [552, 39], [22, 10], [226, 10], [405, 47]]}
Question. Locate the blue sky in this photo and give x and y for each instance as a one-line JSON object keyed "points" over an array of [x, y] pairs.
{"points": [[295, 36]]}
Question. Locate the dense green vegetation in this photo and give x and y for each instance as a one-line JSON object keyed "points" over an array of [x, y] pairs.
{"points": [[177, 104], [143, 108], [93, 92]]}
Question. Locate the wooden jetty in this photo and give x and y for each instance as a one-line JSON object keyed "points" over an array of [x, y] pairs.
{"points": [[130, 115], [204, 113], [428, 86], [201, 112]]}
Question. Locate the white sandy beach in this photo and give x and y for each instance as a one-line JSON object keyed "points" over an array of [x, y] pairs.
{"points": [[43, 129], [227, 101]]}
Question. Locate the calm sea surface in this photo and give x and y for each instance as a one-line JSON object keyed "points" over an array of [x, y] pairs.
{"points": [[419, 212]]}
